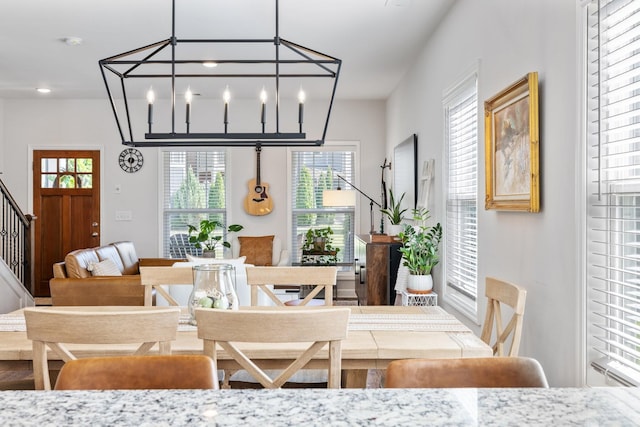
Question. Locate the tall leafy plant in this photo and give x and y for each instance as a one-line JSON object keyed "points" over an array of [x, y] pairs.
{"points": [[420, 244]]}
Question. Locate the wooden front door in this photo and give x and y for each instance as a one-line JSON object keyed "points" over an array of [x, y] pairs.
{"points": [[66, 200]]}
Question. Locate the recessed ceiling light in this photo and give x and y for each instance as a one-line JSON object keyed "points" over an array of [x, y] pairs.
{"points": [[209, 64], [72, 41], [43, 90]]}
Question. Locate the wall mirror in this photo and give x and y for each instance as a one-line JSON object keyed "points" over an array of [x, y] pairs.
{"points": [[405, 174]]}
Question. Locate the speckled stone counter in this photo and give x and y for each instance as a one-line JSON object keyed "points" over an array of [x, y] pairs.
{"points": [[319, 407]]}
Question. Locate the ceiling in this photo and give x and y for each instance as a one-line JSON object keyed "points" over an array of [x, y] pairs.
{"points": [[375, 39]]}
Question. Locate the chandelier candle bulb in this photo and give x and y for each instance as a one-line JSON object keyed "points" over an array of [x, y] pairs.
{"points": [[188, 96], [263, 99], [150, 99], [226, 96], [301, 98]]}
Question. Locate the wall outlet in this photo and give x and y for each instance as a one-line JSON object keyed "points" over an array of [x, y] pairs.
{"points": [[124, 216]]}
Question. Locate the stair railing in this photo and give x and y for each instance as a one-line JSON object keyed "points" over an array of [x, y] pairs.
{"points": [[16, 239]]}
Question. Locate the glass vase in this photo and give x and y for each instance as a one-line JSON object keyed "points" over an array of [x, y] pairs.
{"points": [[213, 287]]}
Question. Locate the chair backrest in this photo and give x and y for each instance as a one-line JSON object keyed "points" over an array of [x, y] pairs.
{"points": [[155, 277], [259, 278], [179, 246], [54, 327], [499, 292], [100, 291], [138, 372], [466, 372], [318, 327]]}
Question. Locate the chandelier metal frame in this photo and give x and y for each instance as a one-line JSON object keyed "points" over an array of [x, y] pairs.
{"points": [[324, 66]]}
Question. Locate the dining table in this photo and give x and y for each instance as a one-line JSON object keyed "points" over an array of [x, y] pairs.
{"points": [[376, 336], [609, 406]]}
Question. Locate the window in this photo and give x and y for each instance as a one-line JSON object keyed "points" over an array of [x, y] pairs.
{"points": [[193, 190], [461, 231], [311, 173], [613, 189], [63, 172]]}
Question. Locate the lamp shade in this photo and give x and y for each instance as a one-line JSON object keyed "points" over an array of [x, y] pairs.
{"points": [[338, 198]]}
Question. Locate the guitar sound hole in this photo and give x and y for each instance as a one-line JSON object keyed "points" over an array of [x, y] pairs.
{"points": [[258, 189]]}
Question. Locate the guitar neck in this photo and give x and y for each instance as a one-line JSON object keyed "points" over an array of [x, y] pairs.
{"points": [[258, 149]]}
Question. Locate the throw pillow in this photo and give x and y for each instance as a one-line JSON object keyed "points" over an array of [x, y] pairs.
{"points": [[104, 268], [236, 262], [258, 250]]}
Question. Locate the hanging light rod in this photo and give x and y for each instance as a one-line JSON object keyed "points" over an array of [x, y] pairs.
{"points": [[159, 70]]}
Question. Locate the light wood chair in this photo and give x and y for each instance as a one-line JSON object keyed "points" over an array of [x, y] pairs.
{"points": [[259, 278], [157, 277], [54, 327], [318, 326], [478, 372], [138, 372], [499, 292]]}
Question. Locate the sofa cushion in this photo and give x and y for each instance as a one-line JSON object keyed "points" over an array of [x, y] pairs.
{"points": [[258, 250], [130, 262], [104, 268], [77, 262], [109, 252]]}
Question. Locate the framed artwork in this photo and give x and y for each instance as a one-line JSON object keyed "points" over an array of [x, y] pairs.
{"points": [[512, 147]]}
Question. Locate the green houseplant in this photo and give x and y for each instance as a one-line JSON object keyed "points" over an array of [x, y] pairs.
{"points": [[420, 251], [318, 242], [205, 235], [395, 213]]}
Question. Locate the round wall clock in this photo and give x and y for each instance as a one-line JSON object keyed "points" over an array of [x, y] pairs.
{"points": [[131, 160]]}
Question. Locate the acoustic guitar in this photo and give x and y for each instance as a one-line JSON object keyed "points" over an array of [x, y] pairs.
{"points": [[258, 201]]}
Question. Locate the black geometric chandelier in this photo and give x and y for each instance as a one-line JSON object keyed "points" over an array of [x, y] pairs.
{"points": [[248, 91]]}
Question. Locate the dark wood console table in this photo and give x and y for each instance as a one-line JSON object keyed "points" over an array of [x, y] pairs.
{"points": [[376, 269]]}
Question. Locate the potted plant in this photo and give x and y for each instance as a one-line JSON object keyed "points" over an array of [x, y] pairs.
{"points": [[420, 251], [318, 247], [395, 213], [205, 236]]}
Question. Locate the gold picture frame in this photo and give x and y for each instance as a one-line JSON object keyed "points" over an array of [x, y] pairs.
{"points": [[512, 147]]}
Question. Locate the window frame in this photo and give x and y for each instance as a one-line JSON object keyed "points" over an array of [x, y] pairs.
{"points": [[454, 96], [604, 272], [162, 206], [344, 272]]}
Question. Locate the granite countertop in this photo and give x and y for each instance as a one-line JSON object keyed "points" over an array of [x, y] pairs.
{"points": [[321, 407]]}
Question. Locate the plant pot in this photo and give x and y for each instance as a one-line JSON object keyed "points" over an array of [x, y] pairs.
{"points": [[208, 254], [319, 243], [395, 229], [419, 284]]}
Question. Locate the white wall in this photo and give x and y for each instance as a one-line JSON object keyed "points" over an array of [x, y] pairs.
{"points": [[33, 124], [509, 38]]}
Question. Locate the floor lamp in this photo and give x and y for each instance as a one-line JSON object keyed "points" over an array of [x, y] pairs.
{"points": [[340, 197]]}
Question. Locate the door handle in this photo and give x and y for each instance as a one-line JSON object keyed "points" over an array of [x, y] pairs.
{"points": [[94, 234], [94, 224]]}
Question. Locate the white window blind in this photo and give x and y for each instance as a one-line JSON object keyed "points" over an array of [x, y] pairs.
{"points": [[194, 188], [613, 188], [461, 231], [312, 172]]}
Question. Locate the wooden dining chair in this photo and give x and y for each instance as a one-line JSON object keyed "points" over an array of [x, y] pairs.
{"points": [[317, 327], [322, 278], [500, 293], [54, 327], [482, 372], [138, 372], [155, 278]]}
